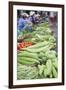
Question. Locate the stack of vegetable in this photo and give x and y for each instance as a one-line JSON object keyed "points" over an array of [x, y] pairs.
{"points": [[38, 60]]}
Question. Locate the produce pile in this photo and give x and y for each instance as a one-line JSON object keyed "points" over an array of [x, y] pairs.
{"points": [[36, 55]]}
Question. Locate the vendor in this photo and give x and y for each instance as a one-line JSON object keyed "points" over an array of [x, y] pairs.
{"points": [[51, 18], [32, 17], [37, 18], [24, 23], [28, 25], [21, 22]]}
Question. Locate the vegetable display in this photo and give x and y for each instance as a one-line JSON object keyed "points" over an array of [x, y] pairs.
{"points": [[36, 56]]}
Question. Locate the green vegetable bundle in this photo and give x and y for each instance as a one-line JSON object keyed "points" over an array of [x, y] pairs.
{"points": [[26, 72]]}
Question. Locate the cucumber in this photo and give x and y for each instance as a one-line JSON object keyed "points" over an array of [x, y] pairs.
{"points": [[45, 72], [41, 44], [26, 59], [43, 48], [48, 68], [55, 74], [37, 50], [41, 69], [27, 54], [55, 64], [24, 62]]}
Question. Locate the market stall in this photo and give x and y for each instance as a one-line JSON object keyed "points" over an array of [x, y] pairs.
{"points": [[37, 55]]}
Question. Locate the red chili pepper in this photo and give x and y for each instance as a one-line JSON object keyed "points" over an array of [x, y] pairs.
{"points": [[23, 45]]}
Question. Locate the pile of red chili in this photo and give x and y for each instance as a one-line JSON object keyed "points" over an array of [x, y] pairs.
{"points": [[23, 45]]}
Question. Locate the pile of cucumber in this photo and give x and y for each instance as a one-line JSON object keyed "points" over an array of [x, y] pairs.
{"points": [[39, 60]]}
